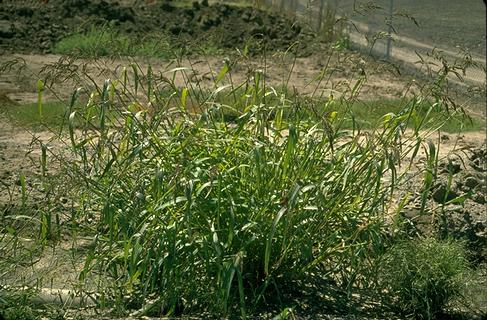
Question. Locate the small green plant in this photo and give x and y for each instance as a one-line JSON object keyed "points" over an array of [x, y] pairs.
{"points": [[20, 312], [423, 275], [106, 41], [14, 304], [28, 114]]}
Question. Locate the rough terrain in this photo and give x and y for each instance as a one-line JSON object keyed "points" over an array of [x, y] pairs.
{"points": [[35, 27]]}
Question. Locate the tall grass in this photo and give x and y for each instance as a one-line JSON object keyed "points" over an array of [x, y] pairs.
{"points": [[196, 213], [192, 212]]}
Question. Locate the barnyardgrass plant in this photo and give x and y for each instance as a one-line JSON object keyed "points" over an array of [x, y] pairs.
{"points": [[192, 211]]}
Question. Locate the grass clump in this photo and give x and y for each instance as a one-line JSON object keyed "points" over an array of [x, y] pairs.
{"points": [[27, 115], [192, 213], [15, 305], [19, 312], [424, 275], [105, 41]]}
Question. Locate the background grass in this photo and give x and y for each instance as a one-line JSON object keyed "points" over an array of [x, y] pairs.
{"points": [[368, 114], [28, 115], [106, 41], [363, 114], [103, 41]]}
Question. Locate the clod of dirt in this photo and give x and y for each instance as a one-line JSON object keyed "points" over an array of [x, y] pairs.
{"points": [[478, 159], [479, 198], [471, 182], [452, 167], [442, 193]]}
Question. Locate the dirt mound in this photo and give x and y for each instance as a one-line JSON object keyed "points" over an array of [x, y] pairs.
{"points": [[29, 26]]}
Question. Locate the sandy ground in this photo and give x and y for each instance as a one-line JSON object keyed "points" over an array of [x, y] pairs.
{"points": [[321, 74], [18, 82]]}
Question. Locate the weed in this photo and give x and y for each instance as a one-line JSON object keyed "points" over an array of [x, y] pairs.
{"points": [[424, 275], [106, 41], [20, 312], [199, 213], [210, 200]]}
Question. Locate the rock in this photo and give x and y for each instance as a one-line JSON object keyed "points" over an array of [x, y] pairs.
{"points": [[479, 160]]}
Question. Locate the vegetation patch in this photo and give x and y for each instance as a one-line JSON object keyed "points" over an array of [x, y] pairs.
{"points": [[425, 275], [358, 114], [106, 41], [368, 114], [54, 113]]}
